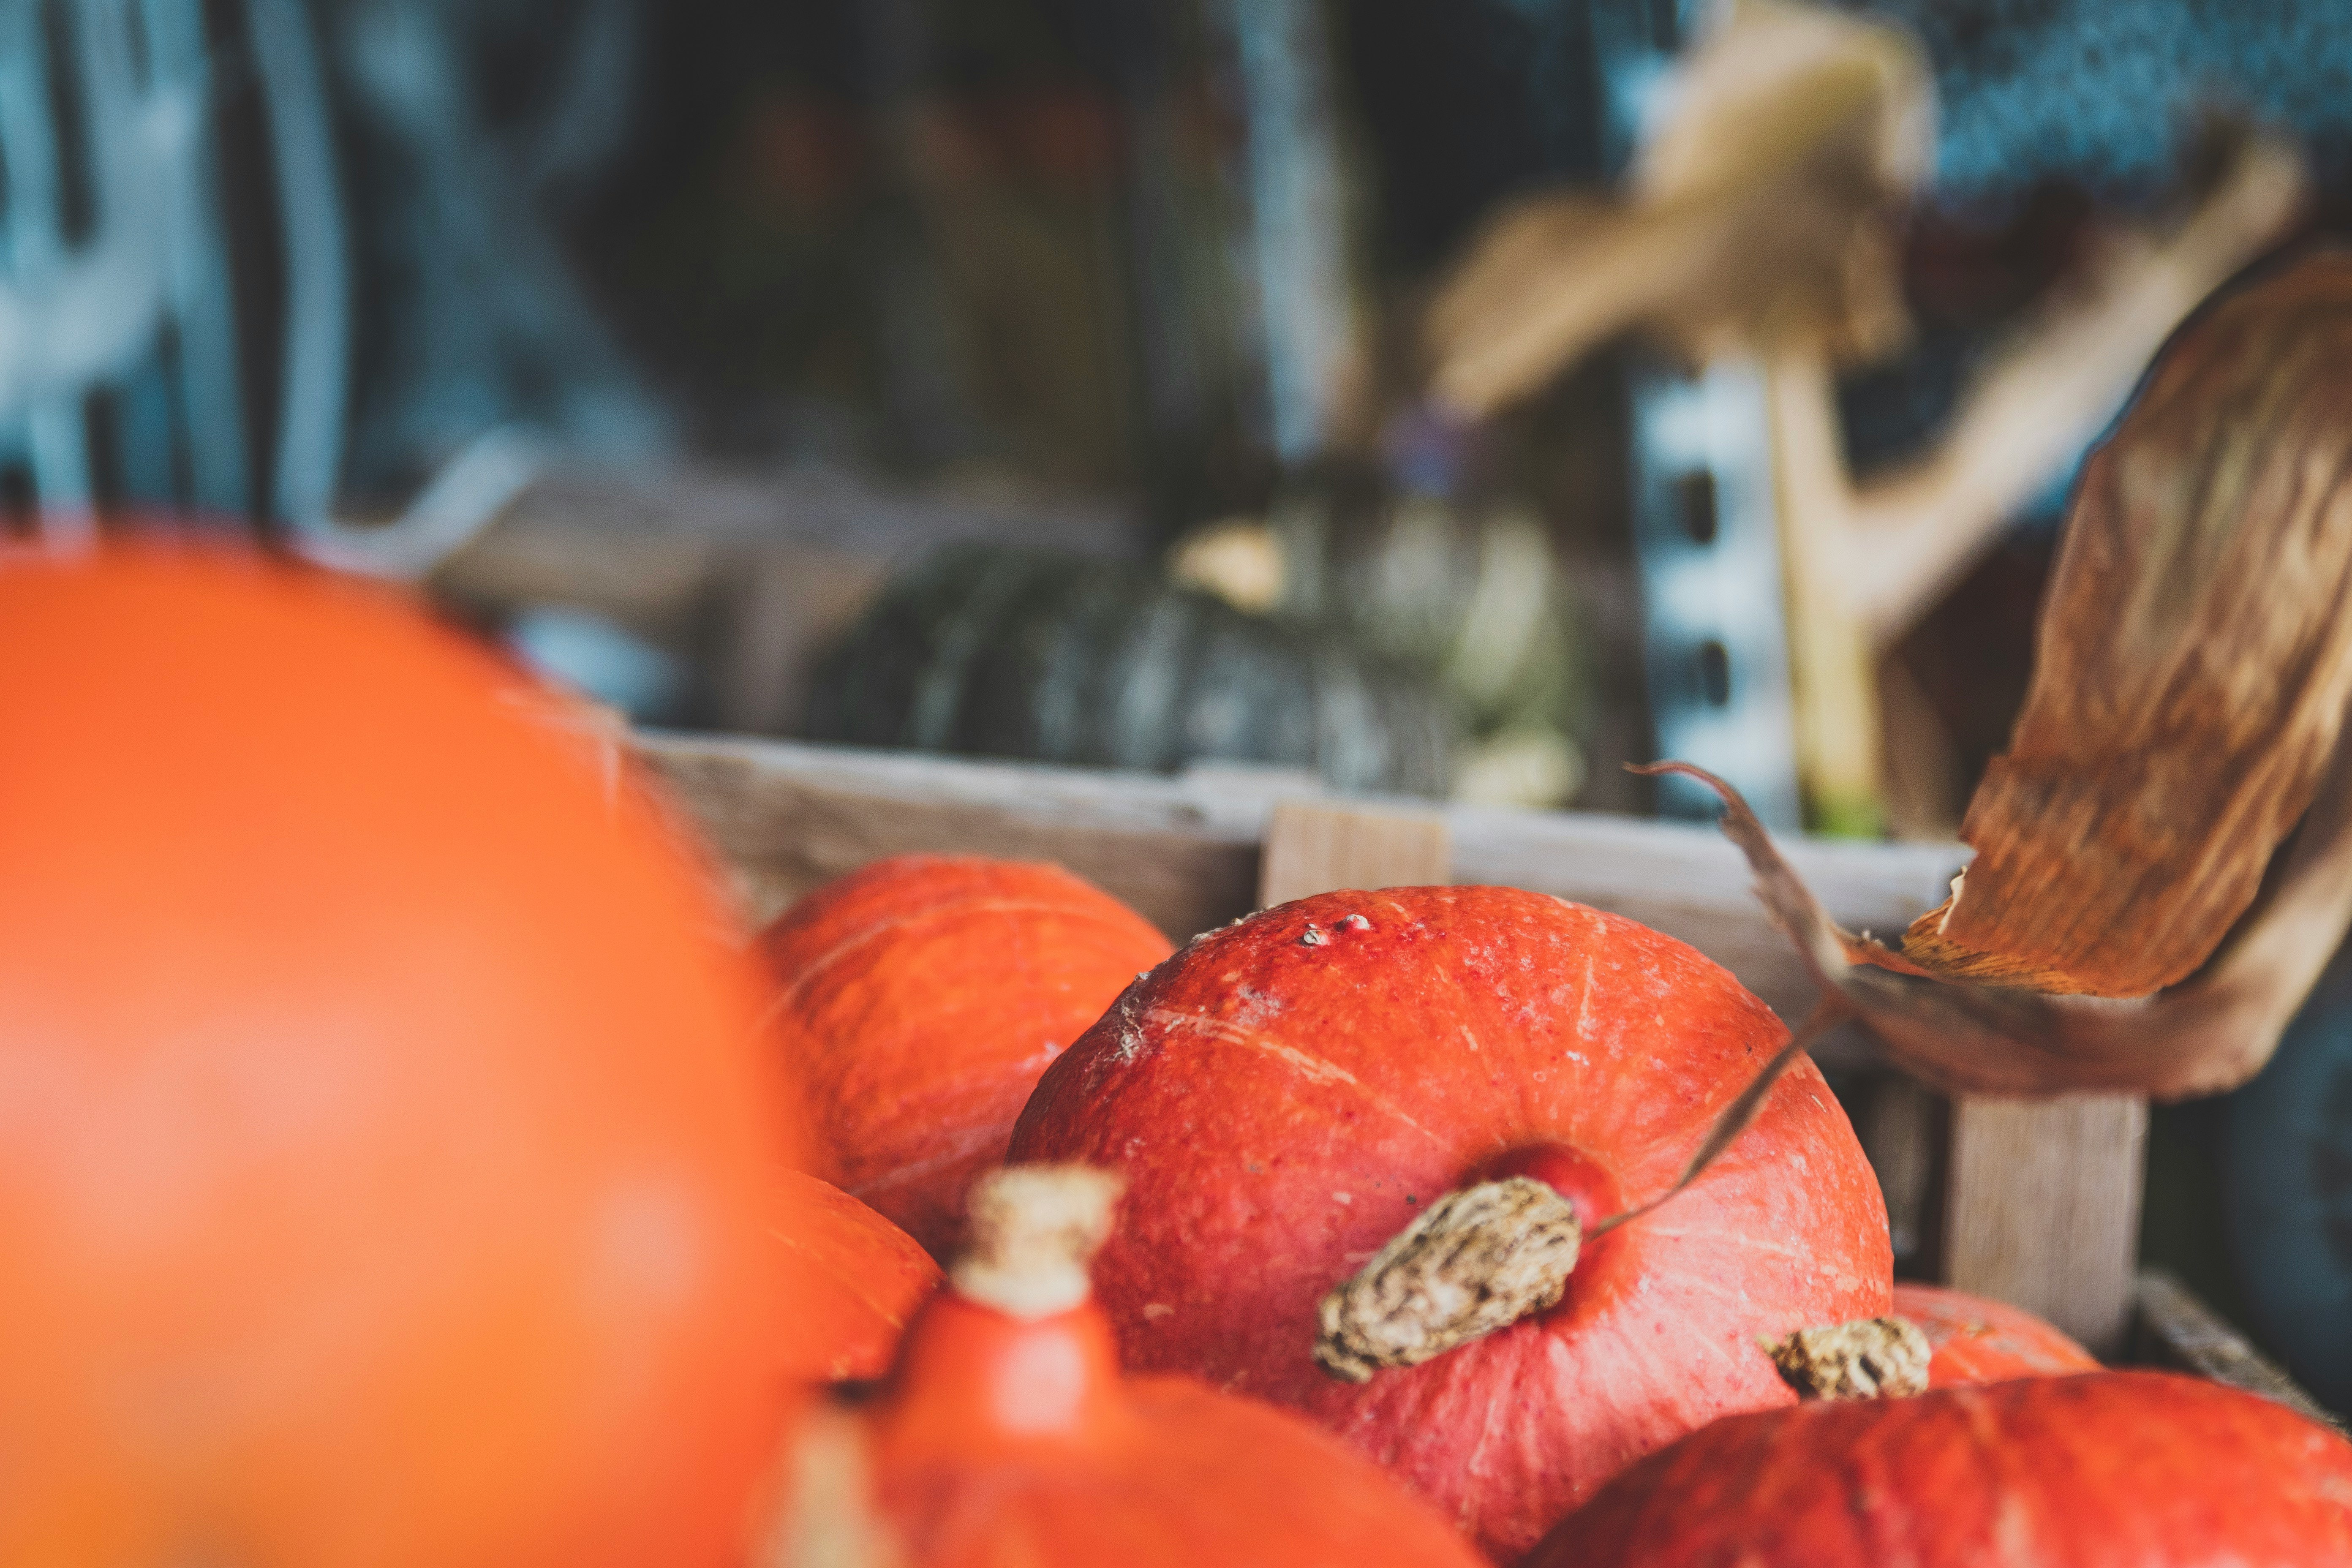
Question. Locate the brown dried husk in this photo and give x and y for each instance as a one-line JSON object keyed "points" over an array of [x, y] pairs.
{"points": [[2209, 1034], [2131, 922], [2192, 668]]}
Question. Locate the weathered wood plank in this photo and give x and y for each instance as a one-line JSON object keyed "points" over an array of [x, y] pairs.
{"points": [[1184, 850], [1315, 846], [785, 818], [2041, 1206], [2177, 1330]]}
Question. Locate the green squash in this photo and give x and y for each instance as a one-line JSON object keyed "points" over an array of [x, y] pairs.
{"points": [[990, 650]]}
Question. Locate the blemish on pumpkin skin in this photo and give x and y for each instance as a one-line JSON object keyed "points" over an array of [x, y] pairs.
{"points": [[1313, 1068], [1155, 1310], [1256, 1006], [1584, 1005]]}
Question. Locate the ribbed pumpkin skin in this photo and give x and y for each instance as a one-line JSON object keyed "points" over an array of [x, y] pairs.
{"points": [[858, 1279], [385, 1140], [1002, 1443], [2108, 1469], [1001, 651], [918, 1000], [1978, 1340], [1280, 1108]]}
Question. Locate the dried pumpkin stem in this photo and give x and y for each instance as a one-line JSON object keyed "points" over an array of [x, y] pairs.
{"points": [[1484, 1257], [1871, 1358], [1478, 1261], [829, 1518], [1034, 1230]]}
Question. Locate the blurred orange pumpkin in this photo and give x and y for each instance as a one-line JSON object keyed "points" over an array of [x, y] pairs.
{"points": [[1978, 1340], [1006, 1434], [385, 1152], [920, 997], [858, 1277]]}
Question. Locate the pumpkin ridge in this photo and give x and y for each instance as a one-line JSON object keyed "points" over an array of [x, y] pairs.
{"points": [[1315, 1069], [806, 971], [857, 1288], [966, 1144]]}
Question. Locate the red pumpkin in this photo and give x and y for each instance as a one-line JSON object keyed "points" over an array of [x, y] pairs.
{"points": [[386, 1149], [859, 1279], [2104, 1470], [1290, 1092], [1007, 1435], [1978, 1340], [920, 998]]}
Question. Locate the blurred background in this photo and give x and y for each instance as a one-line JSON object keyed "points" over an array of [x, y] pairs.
{"points": [[1453, 397]]}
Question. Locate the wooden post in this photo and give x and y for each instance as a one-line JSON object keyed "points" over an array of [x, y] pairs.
{"points": [[2042, 1202], [1314, 847], [1831, 665]]}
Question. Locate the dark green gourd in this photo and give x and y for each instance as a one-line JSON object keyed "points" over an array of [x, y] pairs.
{"points": [[1463, 591], [987, 650], [1470, 593]]}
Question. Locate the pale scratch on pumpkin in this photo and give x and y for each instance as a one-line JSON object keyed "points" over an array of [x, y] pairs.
{"points": [[808, 972], [1734, 1239], [1713, 1287], [1498, 1391], [866, 1298], [1585, 1003], [947, 1149], [1722, 1352], [1313, 1068]]}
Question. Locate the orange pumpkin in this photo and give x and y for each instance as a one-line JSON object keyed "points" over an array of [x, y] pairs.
{"points": [[1978, 1340], [921, 997], [1296, 1094], [385, 1149], [860, 1279], [2099, 1469], [1006, 1434]]}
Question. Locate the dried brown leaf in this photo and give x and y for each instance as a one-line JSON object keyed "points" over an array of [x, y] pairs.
{"points": [[2193, 663], [2210, 1033]]}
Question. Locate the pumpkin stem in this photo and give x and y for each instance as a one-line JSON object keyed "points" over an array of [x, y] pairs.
{"points": [[1035, 1229], [828, 1517], [1480, 1259], [1871, 1358]]}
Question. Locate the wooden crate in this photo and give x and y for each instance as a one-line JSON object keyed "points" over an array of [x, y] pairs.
{"points": [[2032, 1201]]}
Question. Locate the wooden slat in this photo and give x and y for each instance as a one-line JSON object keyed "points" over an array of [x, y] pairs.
{"points": [[2042, 1204], [1184, 850], [2177, 1330], [1315, 846], [785, 818]]}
